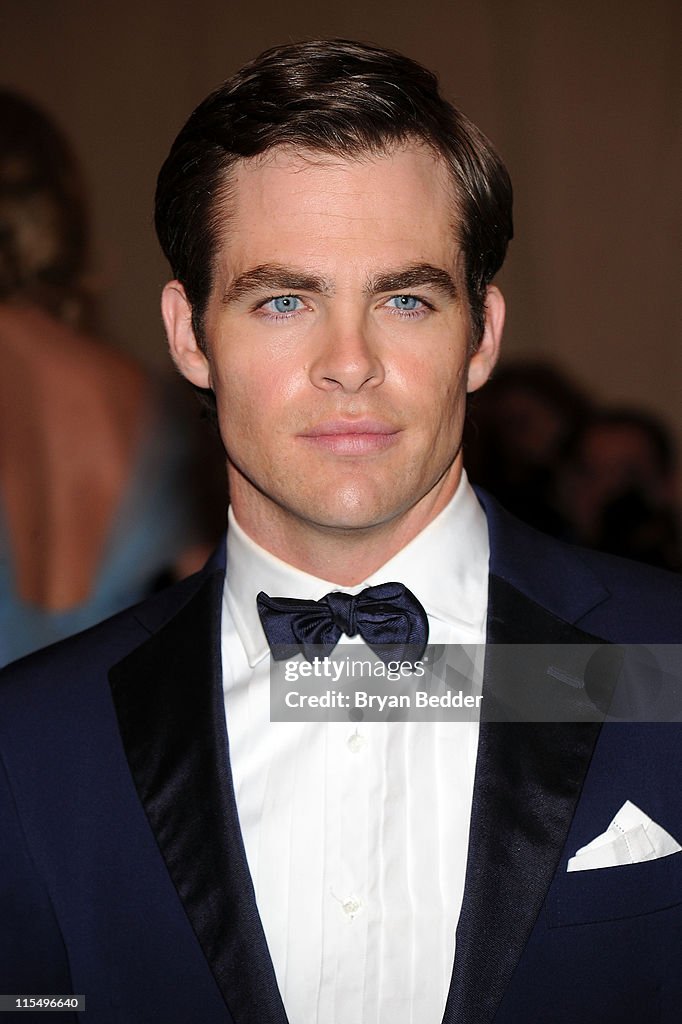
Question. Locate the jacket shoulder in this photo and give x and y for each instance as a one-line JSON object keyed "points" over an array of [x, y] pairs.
{"points": [[621, 600], [89, 655]]}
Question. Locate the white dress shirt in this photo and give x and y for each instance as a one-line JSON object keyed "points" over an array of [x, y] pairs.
{"points": [[356, 835]]}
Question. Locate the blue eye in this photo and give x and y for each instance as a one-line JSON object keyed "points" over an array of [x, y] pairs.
{"points": [[283, 304], [405, 302]]}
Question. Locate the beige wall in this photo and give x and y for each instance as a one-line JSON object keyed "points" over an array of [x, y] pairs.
{"points": [[582, 98]]}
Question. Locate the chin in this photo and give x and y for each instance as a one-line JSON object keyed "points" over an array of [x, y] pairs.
{"points": [[361, 514]]}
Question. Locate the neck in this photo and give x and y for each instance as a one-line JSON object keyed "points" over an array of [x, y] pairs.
{"points": [[345, 556]]}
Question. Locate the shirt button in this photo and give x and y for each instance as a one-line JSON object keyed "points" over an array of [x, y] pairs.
{"points": [[355, 743], [351, 906]]}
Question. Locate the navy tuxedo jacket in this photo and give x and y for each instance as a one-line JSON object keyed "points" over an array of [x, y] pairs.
{"points": [[122, 869]]}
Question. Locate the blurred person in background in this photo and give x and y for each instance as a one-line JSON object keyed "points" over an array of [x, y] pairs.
{"points": [[516, 430], [618, 487], [94, 500]]}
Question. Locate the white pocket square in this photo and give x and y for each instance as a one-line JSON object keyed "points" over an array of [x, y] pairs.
{"points": [[632, 837]]}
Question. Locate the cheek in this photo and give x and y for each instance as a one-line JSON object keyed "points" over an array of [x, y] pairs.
{"points": [[235, 396], [439, 391], [254, 400], [447, 414]]}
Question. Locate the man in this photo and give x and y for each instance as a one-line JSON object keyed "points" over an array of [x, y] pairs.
{"points": [[333, 227]]}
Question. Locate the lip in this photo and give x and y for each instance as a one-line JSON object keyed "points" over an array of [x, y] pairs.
{"points": [[351, 437]]}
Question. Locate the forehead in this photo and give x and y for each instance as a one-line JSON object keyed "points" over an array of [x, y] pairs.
{"points": [[314, 208]]}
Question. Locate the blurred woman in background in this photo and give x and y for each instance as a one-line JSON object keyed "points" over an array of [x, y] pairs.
{"points": [[94, 500]]}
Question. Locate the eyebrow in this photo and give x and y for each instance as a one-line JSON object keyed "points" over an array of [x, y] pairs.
{"points": [[276, 277], [417, 275]]}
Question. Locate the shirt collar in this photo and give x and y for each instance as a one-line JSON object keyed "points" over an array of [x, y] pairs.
{"points": [[445, 566]]}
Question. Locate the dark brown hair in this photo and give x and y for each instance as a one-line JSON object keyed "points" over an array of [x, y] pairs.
{"points": [[44, 228], [337, 97]]}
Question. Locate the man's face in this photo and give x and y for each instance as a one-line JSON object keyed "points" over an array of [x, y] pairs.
{"points": [[338, 339]]}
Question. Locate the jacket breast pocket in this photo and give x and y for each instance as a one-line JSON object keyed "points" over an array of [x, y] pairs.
{"points": [[609, 894]]}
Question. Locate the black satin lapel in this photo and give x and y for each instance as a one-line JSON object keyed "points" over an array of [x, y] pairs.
{"points": [[169, 701], [528, 781]]}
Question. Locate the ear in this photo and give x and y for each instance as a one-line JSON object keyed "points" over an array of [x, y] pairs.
{"points": [[184, 348], [483, 360]]}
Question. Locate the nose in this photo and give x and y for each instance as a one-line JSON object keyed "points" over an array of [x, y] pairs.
{"points": [[348, 360]]}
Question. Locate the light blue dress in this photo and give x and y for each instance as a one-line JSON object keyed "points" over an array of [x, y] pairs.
{"points": [[154, 523]]}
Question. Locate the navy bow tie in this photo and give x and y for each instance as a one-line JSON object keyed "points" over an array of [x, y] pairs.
{"points": [[389, 618]]}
